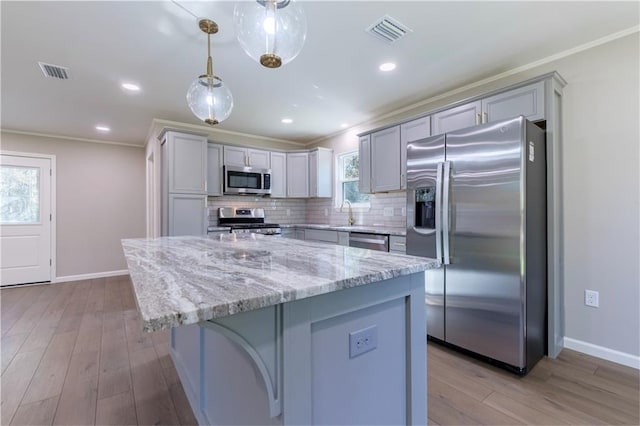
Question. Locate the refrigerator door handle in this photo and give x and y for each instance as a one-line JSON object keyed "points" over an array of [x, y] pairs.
{"points": [[446, 260], [439, 212]]}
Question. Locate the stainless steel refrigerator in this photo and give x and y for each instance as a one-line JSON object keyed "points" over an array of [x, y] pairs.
{"points": [[476, 200]]}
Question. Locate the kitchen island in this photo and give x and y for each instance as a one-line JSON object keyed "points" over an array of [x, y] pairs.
{"points": [[266, 330]]}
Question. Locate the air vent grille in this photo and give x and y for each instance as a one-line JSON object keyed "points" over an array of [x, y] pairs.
{"points": [[388, 29], [54, 71]]}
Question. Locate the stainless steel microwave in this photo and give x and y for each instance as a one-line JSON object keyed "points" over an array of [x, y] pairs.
{"points": [[247, 180]]}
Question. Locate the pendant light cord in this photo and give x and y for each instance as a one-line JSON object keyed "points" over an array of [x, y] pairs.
{"points": [[184, 8]]}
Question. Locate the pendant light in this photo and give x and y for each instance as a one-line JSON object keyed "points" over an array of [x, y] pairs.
{"points": [[271, 31], [208, 97]]}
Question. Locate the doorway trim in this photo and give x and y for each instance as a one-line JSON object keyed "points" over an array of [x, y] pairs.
{"points": [[52, 159]]}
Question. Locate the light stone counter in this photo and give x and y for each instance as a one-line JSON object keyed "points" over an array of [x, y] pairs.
{"points": [[185, 280]]}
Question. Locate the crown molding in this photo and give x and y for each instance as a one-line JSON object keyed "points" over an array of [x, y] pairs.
{"points": [[513, 71], [158, 124], [70, 138]]}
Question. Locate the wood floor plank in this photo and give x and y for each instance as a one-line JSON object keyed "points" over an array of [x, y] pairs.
{"points": [[117, 409], [49, 378], [526, 390], [461, 408], [114, 382], [94, 365], [17, 377], [36, 413], [78, 401], [11, 344], [12, 314], [34, 312], [525, 413], [153, 401], [89, 333], [620, 373]]}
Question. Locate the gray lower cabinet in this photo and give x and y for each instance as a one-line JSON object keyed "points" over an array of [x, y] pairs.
{"points": [[187, 214], [323, 235], [397, 244], [343, 238]]}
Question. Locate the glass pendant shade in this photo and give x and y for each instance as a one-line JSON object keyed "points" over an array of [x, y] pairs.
{"points": [[210, 99], [272, 32]]}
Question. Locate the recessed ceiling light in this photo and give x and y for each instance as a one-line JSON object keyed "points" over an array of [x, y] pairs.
{"points": [[131, 87], [101, 128], [287, 120], [344, 125], [387, 66]]}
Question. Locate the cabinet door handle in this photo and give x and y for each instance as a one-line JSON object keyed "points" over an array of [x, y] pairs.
{"points": [[478, 118], [485, 117]]}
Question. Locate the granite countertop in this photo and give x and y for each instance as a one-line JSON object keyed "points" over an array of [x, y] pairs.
{"points": [[185, 280], [383, 230]]}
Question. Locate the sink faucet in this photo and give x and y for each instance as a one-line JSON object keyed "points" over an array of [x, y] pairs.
{"points": [[351, 219]]}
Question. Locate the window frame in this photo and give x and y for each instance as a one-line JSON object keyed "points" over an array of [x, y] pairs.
{"points": [[340, 180]]}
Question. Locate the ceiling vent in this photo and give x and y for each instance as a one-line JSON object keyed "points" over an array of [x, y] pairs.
{"points": [[54, 71], [388, 29]]}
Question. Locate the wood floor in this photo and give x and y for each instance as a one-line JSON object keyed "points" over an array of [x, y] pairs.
{"points": [[74, 353]]}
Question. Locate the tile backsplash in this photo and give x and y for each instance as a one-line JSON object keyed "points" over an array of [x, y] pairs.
{"points": [[386, 210]]}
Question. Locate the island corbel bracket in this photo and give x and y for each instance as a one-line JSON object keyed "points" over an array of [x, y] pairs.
{"points": [[257, 352]]}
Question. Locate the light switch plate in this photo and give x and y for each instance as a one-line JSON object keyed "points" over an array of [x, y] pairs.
{"points": [[388, 211]]}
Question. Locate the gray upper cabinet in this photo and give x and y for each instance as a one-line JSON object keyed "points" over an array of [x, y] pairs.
{"points": [[527, 101], [214, 170], [298, 174], [385, 160], [187, 163], [364, 158], [320, 173], [246, 157], [278, 174], [412, 131], [457, 118]]}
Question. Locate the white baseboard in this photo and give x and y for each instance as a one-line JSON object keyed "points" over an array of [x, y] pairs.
{"points": [[91, 276], [602, 352]]}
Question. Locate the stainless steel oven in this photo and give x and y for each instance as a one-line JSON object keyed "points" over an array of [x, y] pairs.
{"points": [[247, 180]]}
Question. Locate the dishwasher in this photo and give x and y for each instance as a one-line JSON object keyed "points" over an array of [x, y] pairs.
{"points": [[369, 241]]}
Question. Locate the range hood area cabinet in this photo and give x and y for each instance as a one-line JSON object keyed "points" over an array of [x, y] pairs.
{"points": [[183, 184], [382, 152], [246, 157], [310, 173]]}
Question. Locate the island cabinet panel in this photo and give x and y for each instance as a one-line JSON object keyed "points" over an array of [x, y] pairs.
{"points": [[292, 363]]}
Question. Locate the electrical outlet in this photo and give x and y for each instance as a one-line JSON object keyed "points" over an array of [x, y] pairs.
{"points": [[388, 211], [404, 211], [363, 341], [591, 298]]}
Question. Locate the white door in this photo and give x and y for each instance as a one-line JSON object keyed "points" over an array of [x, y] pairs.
{"points": [[25, 220]]}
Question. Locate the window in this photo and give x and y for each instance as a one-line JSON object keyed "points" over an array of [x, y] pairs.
{"points": [[348, 181]]}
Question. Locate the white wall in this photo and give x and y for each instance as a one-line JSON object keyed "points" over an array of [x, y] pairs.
{"points": [[100, 199], [600, 189]]}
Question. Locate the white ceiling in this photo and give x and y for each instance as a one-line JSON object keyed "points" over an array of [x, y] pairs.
{"points": [[334, 80]]}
